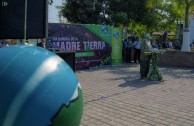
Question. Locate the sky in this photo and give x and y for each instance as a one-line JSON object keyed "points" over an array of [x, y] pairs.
{"points": [[53, 12]]}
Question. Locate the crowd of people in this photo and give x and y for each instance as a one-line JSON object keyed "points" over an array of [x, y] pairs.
{"points": [[9, 42], [131, 47], [4, 43]]}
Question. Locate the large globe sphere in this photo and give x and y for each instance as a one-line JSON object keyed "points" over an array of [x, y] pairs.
{"points": [[37, 88]]}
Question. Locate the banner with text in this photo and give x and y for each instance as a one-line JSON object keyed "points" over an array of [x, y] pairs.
{"points": [[116, 46], [91, 43]]}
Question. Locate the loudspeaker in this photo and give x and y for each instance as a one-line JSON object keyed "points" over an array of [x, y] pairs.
{"points": [[69, 58], [12, 16]]}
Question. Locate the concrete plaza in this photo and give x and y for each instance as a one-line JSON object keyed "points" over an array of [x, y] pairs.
{"points": [[115, 96]]}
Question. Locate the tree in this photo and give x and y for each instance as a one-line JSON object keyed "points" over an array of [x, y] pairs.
{"points": [[175, 15], [164, 15], [83, 11], [152, 15], [156, 18], [186, 5], [111, 12], [125, 11]]}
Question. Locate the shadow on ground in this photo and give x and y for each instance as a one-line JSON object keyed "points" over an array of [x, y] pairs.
{"points": [[137, 83], [178, 73]]}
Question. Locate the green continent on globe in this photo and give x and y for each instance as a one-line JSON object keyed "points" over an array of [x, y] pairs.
{"points": [[69, 115]]}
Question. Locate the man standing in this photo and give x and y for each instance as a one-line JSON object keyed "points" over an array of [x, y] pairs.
{"points": [[136, 45], [127, 47], [145, 56]]}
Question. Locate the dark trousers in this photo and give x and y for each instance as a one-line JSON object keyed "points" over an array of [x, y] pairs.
{"points": [[144, 68], [128, 54], [137, 55]]}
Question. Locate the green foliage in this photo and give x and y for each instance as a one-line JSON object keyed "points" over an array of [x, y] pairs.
{"points": [[154, 72], [119, 18], [111, 12], [79, 11], [137, 28], [186, 6], [140, 16]]}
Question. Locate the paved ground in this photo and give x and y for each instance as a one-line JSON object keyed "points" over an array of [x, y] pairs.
{"points": [[115, 96]]}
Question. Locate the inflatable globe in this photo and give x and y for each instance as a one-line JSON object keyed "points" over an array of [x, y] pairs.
{"points": [[37, 88]]}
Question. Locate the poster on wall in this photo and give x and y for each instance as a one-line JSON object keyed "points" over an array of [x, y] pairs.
{"points": [[116, 46], [91, 43]]}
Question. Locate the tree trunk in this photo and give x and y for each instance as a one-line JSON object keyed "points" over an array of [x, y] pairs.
{"points": [[186, 34], [186, 17]]}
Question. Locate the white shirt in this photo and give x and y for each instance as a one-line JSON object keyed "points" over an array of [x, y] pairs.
{"points": [[149, 45], [7, 45], [170, 44]]}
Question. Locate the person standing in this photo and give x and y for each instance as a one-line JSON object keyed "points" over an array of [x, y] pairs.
{"points": [[136, 45], [145, 56], [170, 44], [41, 43], [156, 44], [127, 46]]}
